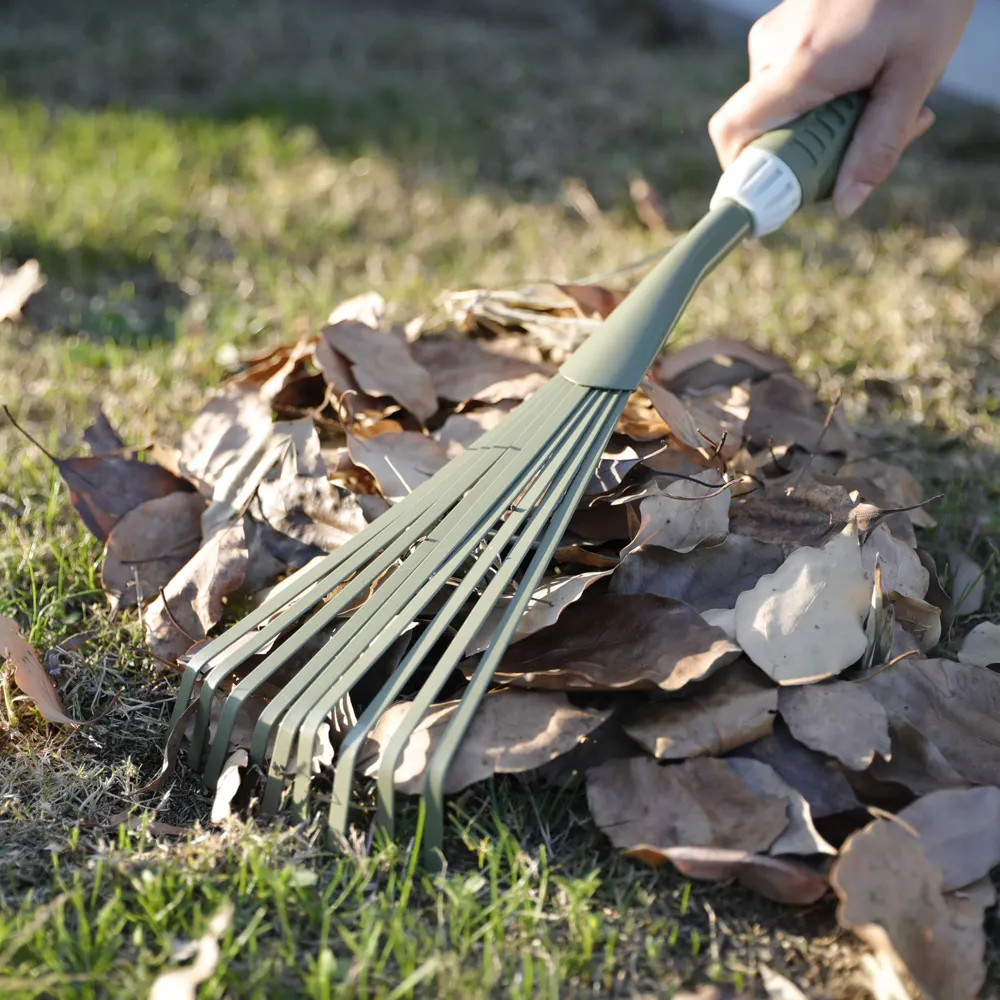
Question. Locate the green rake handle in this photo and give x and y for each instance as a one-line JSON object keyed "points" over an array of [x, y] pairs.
{"points": [[782, 170]]}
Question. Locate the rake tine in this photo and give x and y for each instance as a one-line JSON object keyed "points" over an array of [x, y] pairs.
{"points": [[432, 685], [370, 634], [440, 763], [355, 738]]}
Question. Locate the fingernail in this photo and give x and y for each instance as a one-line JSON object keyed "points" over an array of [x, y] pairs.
{"points": [[852, 198]]}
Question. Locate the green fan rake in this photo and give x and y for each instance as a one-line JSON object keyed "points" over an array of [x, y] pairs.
{"points": [[488, 523]]}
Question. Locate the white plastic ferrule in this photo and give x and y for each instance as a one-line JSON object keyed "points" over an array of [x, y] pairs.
{"points": [[764, 185]]}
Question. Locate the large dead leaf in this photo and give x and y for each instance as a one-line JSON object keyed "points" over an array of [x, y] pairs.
{"points": [[512, 731], [784, 412], [981, 646], [899, 487], [639, 420], [182, 983], [803, 622], [617, 643], [101, 438], [714, 362], [462, 369], [902, 570], [29, 674], [954, 709], [920, 619], [709, 577], [701, 802], [811, 774], [546, 604], [736, 706], [383, 366], [890, 896], [399, 462], [780, 879], [149, 546], [841, 719], [681, 515], [191, 603], [220, 431], [807, 514], [801, 836], [959, 832]]}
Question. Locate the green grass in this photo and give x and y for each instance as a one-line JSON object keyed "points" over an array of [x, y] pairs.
{"points": [[197, 179]]}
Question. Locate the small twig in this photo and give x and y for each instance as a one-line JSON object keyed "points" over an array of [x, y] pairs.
{"points": [[819, 440], [173, 621], [775, 459], [48, 454]]}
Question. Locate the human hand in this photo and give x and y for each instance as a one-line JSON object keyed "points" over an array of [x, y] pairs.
{"points": [[804, 53]]}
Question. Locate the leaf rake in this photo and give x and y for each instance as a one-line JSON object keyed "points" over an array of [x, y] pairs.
{"points": [[490, 521]]}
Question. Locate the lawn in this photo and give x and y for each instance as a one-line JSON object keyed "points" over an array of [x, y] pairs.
{"points": [[199, 182]]}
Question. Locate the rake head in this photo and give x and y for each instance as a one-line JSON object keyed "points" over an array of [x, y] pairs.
{"points": [[437, 564]]}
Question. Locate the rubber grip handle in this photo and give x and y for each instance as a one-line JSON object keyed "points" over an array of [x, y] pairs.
{"points": [[813, 146]]}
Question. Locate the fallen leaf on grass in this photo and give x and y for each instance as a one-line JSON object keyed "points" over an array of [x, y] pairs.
{"points": [[399, 462], [801, 836], [383, 366], [890, 896], [101, 438], [29, 674], [183, 983], [700, 802], [955, 707], [902, 570], [191, 603], [17, 287], [841, 719], [151, 826], [920, 618], [968, 582], [981, 646], [735, 707], [640, 421], [617, 643], [810, 514], [149, 546], [462, 370], [368, 308], [713, 362], [898, 485], [803, 622], [227, 786], [712, 576], [681, 515], [959, 832], [780, 879], [512, 731], [784, 412]]}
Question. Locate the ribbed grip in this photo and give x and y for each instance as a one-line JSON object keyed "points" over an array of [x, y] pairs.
{"points": [[813, 146]]}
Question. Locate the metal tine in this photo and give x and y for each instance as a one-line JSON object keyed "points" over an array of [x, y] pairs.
{"points": [[354, 740], [426, 515], [345, 663], [432, 685], [458, 724], [313, 576]]}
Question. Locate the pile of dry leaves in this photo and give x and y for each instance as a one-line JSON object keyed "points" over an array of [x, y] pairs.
{"points": [[733, 645]]}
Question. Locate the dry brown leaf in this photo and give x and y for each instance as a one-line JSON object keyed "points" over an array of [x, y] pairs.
{"points": [[959, 832], [681, 422], [968, 582], [139, 822], [383, 366], [182, 983], [191, 603], [546, 604], [227, 786], [902, 570], [784, 412], [898, 485], [717, 361], [838, 718], [148, 547], [921, 619], [594, 300], [462, 429], [811, 774], [101, 438], [735, 707], [16, 287], [619, 643], [681, 515], [890, 896], [700, 802], [810, 514], [780, 879], [709, 577], [981, 646], [801, 836], [399, 462], [29, 674], [512, 731], [220, 431], [954, 708], [640, 421], [803, 622], [462, 370]]}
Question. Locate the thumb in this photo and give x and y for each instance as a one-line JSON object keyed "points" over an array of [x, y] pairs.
{"points": [[772, 98], [895, 116]]}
